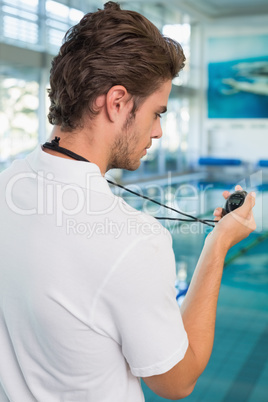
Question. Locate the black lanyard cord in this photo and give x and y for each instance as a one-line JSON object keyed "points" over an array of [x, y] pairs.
{"points": [[54, 145], [193, 218]]}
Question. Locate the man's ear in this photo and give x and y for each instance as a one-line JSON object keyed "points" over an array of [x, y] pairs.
{"points": [[117, 102]]}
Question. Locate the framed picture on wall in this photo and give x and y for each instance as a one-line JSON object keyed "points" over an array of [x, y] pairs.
{"points": [[238, 77]]}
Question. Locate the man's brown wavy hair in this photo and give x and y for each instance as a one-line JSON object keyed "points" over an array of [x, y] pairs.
{"points": [[106, 48]]}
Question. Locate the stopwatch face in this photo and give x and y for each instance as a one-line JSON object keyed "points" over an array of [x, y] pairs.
{"points": [[235, 200]]}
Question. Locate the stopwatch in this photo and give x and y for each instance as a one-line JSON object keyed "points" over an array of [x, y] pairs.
{"points": [[235, 200]]}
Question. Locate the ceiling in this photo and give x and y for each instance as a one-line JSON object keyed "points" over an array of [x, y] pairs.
{"points": [[210, 10]]}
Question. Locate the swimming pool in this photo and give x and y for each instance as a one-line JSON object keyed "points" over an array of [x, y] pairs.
{"points": [[238, 368]]}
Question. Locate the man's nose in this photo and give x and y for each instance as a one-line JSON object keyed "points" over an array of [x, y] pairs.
{"points": [[157, 130]]}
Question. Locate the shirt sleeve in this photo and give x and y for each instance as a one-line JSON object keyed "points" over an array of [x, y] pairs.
{"points": [[137, 307]]}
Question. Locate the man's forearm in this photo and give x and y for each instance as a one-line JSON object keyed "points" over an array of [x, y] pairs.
{"points": [[199, 315], [200, 304]]}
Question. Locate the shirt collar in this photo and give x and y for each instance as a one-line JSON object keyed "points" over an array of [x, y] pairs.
{"points": [[68, 171]]}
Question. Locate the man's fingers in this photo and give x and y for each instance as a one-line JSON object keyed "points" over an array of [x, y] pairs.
{"points": [[238, 188], [218, 213], [249, 202], [244, 214], [226, 194]]}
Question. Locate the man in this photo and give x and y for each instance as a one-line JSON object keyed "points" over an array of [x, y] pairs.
{"points": [[87, 297]]}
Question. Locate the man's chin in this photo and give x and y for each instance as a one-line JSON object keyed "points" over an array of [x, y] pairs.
{"points": [[126, 166], [132, 167]]}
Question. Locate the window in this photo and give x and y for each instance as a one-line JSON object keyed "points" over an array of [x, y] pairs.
{"points": [[18, 114], [20, 22], [36, 24], [182, 34]]}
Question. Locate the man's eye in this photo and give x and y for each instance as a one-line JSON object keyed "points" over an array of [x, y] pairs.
{"points": [[158, 115]]}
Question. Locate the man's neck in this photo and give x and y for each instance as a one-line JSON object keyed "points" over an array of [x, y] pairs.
{"points": [[79, 143]]}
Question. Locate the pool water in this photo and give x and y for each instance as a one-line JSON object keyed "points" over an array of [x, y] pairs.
{"points": [[238, 367]]}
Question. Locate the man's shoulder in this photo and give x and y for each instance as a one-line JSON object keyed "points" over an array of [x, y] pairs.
{"points": [[17, 166], [138, 219]]}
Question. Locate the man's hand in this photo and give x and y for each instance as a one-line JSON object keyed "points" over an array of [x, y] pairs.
{"points": [[236, 225], [219, 213]]}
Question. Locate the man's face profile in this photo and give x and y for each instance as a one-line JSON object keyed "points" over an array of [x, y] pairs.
{"points": [[138, 131]]}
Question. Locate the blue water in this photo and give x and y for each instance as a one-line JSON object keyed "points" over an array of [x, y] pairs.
{"points": [[238, 367], [222, 103]]}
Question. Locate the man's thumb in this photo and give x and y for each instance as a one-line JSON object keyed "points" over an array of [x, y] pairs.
{"points": [[249, 202]]}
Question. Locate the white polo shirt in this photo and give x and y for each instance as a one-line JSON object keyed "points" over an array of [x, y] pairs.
{"points": [[87, 297]]}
